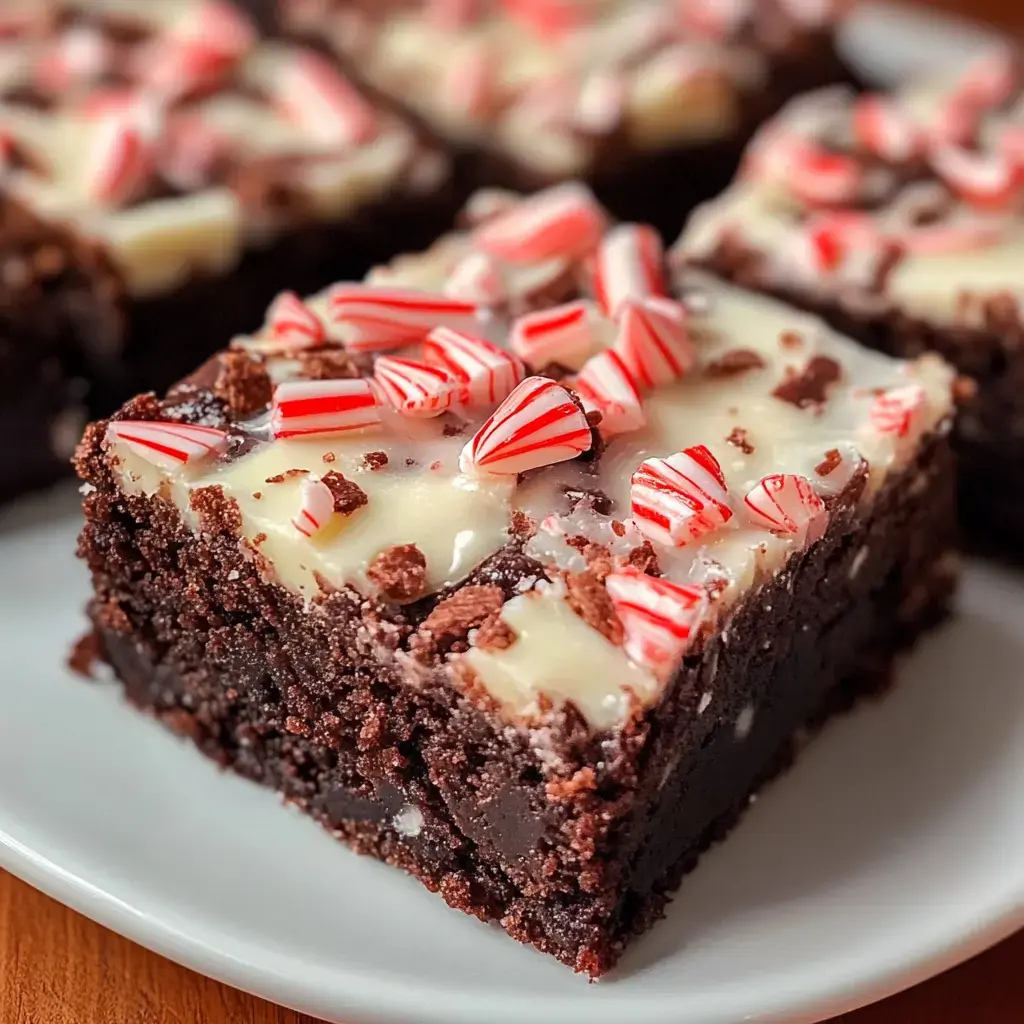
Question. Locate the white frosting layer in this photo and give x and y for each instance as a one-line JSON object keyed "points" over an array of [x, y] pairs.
{"points": [[156, 245], [635, 66], [457, 521], [937, 287]]}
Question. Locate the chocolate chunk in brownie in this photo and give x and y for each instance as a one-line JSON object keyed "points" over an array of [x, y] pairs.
{"points": [[810, 386], [400, 572]]}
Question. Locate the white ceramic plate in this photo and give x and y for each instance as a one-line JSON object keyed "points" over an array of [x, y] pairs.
{"points": [[894, 849]]}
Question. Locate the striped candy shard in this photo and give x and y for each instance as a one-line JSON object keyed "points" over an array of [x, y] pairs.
{"points": [[316, 506], [884, 130], [680, 499], [476, 278], [899, 412], [292, 326], [654, 341], [562, 334], [168, 445], [628, 265], [486, 373], [305, 408], [217, 25], [119, 161], [378, 318], [659, 618], [539, 424], [787, 504], [561, 222], [988, 180], [606, 385], [414, 388], [316, 96]]}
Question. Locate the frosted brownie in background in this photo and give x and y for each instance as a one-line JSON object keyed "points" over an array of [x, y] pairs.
{"points": [[524, 565], [901, 219], [648, 101], [161, 172]]}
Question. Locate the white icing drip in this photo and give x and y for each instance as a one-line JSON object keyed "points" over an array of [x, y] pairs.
{"points": [[558, 655]]}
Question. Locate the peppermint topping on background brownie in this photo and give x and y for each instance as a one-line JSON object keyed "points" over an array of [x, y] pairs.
{"points": [[646, 481], [912, 202]]}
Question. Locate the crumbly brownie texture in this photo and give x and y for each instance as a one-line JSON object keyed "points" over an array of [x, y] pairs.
{"points": [[899, 219], [181, 164], [538, 658], [651, 101]]}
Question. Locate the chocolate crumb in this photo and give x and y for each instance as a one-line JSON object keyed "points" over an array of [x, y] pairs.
{"points": [[810, 386], [618, 528], [410, 462], [591, 602], [453, 429], [257, 495], [494, 634], [84, 655], [327, 364], [583, 781], [288, 474], [594, 418], [375, 460], [740, 439], [260, 538], [791, 340], [964, 389], [734, 362], [400, 572], [348, 496], [521, 525], [329, 457], [830, 463], [644, 558], [217, 512], [242, 383], [466, 609]]}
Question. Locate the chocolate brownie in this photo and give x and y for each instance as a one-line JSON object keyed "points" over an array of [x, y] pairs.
{"points": [[533, 590], [899, 218], [649, 101], [159, 168]]}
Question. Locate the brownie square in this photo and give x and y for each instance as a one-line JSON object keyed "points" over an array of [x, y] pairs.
{"points": [[649, 101], [160, 166], [526, 594], [898, 218]]}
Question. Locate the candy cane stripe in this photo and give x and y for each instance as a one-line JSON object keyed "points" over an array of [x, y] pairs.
{"points": [[312, 407], [486, 373], [787, 504], [168, 445]]}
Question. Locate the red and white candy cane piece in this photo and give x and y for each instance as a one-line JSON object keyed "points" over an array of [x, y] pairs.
{"points": [[563, 334], [600, 103], [1010, 143], [654, 341], [485, 372], [319, 98], [992, 80], [820, 178], [414, 388], [787, 504], [606, 385], [451, 15], [550, 20], [899, 412], [477, 279], [190, 151], [292, 326], [470, 82], [7, 150], [316, 506], [539, 424], [120, 160], [175, 68], [81, 54], [884, 130], [714, 19], [987, 180], [217, 25], [629, 265], [304, 408], [837, 238], [168, 445], [659, 618], [564, 221], [680, 499], [381, 318]]}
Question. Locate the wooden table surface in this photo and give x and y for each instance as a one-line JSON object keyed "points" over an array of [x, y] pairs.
{"points": [[56, 967]]}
